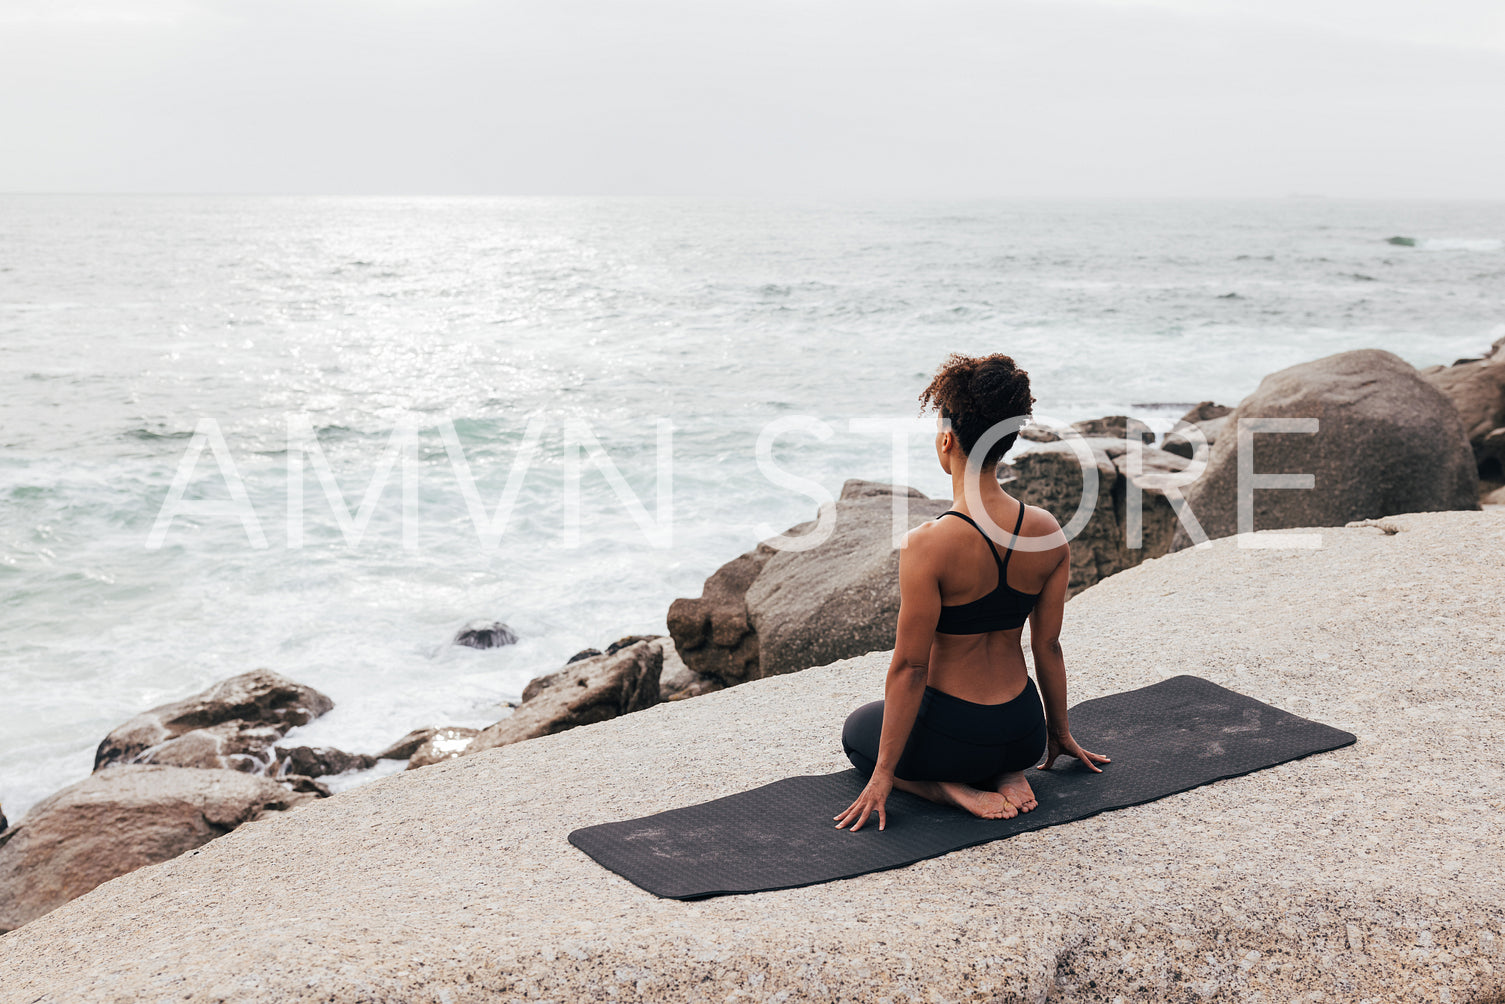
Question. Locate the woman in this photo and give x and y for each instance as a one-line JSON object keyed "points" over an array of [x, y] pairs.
{"points": [[961, 720]]}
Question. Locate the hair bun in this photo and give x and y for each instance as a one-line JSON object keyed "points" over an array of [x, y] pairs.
{"points": [[976, 393]]}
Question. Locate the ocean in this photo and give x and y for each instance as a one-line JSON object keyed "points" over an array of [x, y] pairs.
{"points": [[676, 339]]}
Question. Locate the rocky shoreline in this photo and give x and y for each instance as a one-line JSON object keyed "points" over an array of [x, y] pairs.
{"points": [[1363, 874], [179, 776]]}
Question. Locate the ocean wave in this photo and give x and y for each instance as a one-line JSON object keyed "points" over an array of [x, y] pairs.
{"points": [[1449, 243], [151, 434], [1462, 244]]}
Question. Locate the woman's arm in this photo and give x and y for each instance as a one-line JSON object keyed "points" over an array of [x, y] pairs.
{"points": [[919, 612], [1050, 666]]}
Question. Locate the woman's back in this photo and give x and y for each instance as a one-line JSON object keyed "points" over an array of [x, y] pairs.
{"points": [[986, 595]]}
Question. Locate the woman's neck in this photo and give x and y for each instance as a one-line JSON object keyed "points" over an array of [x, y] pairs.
{"points": [[988, 487]]}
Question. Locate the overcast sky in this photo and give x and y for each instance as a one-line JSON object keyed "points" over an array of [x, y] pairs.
{"points": [[820, 97]]}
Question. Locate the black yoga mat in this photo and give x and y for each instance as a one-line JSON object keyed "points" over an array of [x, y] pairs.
{"points": [[1166, 738]]}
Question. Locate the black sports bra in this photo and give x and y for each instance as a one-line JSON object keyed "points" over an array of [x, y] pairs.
{"points": [[1003, 609]]}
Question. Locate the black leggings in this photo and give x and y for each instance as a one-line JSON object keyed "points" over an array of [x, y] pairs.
{"points": [[953, 739]]}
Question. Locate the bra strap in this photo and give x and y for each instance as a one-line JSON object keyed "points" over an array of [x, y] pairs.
{"points": [[1002, 563], [1017, 524]]}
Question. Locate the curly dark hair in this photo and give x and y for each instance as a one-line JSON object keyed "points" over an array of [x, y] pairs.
{"points": [[976, 393]]}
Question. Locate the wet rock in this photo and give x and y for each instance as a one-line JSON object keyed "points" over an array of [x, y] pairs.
{"points": [[582, 693], [232, 725], [1388, 442], [232, 745], [117, 820], [319, 761], [304, 783], [485, 634], [3, 824], [584, 653], [444, 744], [404, 748]]}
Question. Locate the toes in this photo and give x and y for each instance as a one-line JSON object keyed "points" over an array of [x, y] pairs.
{"points": [[1024, 804]]}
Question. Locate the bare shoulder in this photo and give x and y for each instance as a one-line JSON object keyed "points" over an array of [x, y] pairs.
{"points": [[921, 531], [1040, 523], [923, 542]]}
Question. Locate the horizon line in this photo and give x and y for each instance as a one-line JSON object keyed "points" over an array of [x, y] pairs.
{"points": [[752, 197]]}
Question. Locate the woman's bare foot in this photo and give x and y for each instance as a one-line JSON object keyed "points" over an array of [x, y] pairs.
{"points": [[1015, 789], [979, 802]]}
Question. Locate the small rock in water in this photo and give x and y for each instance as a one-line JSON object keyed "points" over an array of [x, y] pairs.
{"points": [[405, 747], [232, 725], [444, 744], [317, 761], [486, 634], [304, 783], [1405, 242]]}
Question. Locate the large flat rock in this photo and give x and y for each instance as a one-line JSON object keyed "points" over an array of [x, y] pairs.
{"points": [[1370, 873]]}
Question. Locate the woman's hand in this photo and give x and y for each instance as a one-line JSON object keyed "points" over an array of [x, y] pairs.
{"points": [[1057, 745], [872, 799]]}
